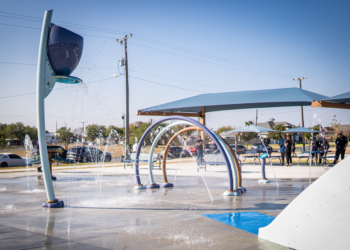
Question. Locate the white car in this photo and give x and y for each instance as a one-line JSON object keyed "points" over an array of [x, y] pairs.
{"points": [[11, 160]]}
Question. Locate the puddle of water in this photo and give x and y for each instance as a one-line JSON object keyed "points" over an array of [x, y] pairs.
{"points": [[247, 221]]}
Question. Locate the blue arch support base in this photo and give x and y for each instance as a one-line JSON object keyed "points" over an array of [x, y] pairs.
{"points": [[231, 191], [53, 204]]}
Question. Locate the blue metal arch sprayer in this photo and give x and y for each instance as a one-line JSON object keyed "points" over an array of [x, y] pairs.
{"points": [[60, 51], [139, 185]]}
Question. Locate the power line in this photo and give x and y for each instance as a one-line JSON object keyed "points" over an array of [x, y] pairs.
{"points": [[169, 85], [211, 56], [164, 52], [184, 81], [19, 26], [201, 54], [74, 118], [143, 79], [40, 20], [207, 61], [4, 97], [163, 44], [32, 64]]}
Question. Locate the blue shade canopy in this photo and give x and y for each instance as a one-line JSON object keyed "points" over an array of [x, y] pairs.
{"points": [[342, 98], [258, 129], [300, 130], [267, 98], [65, 49], [251, 128]]}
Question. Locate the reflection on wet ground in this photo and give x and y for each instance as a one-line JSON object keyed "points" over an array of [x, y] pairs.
{"points": [[112, 215]]}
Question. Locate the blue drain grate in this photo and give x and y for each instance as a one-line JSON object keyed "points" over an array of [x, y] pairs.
{"points": [[247, 221]]}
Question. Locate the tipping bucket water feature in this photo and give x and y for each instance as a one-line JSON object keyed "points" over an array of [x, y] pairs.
{"points": [[60, 51]]}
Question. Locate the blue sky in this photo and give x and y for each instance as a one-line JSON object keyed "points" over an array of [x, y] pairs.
{"points": [[193, 46]]}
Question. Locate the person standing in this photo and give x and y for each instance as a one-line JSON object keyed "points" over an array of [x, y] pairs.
{"points": [[199, 147], [282, 149], [315, 146], [324, 146], [340, 143], [267, 146], [293, 149], [288, 143]]}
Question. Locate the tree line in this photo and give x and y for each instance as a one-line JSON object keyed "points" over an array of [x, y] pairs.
{"points": [[16, 131]]}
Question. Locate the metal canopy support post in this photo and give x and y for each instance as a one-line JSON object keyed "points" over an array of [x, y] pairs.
{"points": [[41, 85], [236, 150], [202, 121]]}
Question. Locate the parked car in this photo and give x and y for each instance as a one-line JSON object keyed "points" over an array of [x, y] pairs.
{"points": [[212, 151], [193, 150], [62, 154], [88, 154], [209, 149], [11, 160], [175, 152], [259, 145], [211, 146], [240, 148]]}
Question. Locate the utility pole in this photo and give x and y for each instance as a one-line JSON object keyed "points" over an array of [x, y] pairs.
{"points": [[125, 39], [256, 118], [302, 109], [123, 117]]}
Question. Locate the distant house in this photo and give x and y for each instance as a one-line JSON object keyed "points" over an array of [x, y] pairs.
{"points": [[327, 132], [345, 129], [51, 138], [271, 123]]}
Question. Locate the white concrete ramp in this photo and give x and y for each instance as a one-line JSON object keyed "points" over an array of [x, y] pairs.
{"points": [[319, 218]]}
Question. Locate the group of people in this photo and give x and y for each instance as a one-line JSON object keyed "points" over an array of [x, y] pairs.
{"points": [[322, 146], [287, 147]]}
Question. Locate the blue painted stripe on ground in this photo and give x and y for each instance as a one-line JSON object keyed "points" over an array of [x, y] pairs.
{"points": [[248, 221]]}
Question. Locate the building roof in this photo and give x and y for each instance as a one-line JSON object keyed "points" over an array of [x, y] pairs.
{"points": [[271, 124], [344, 127], [267, 98]]}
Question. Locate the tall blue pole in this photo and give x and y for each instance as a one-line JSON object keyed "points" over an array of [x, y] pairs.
{"points": [[40, 106]]}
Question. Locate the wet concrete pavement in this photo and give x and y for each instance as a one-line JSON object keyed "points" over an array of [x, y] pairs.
{"points": [[110, 214]]}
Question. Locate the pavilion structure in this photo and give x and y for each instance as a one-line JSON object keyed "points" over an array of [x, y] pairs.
{"points": [[198, 106]]}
